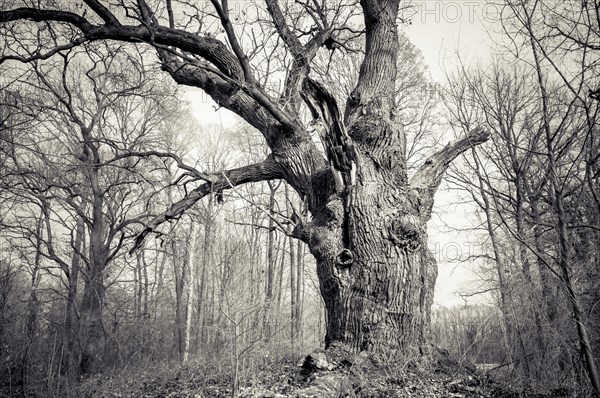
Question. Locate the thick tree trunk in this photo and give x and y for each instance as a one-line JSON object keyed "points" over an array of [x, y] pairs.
{"points": [[370, 241], [378, 295], [369, 238], [368, 232]]}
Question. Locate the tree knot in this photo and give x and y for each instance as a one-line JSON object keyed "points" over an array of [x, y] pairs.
{"points": [[405, 233], [344, 258]]}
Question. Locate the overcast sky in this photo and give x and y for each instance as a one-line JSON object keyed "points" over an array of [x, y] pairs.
{"points": [[441, 28]]}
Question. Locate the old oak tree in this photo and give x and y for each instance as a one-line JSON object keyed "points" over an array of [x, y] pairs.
{"points": [[367, 226]]}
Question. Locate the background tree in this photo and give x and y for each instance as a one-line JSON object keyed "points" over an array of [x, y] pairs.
{"points": [[541, 123], [71, 166]]}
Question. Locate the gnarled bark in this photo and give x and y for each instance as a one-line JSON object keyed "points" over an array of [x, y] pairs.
{"points": [[376, 273]]}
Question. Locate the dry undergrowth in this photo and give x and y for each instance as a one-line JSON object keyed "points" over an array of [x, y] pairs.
{"points": [[333, 373]]}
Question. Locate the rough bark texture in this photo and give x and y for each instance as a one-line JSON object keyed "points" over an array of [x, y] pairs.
{"points": [[370, 242], [376, 294]]}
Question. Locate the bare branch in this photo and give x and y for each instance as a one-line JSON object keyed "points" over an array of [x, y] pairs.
{"points": [[283, 29], [303, 54], [46, 55], [264, 171], [191, 170], [209, 48], [428, 177], [45, 15], [171, 15], [235, 45], [220, 73], [248, 101], [102, 11]]}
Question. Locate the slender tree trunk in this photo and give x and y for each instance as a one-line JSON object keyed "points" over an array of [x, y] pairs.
{"points": [[255, 278], [235, 359], [212, 336], [179, 270], [293, 274], [71, 360], [548, 287], [32, 305], [561, 228], [270, 263], [159, 283], [92, 327], [565, 267], [202, 289], [206, 293], [299, 288], [139, 285], [145, 321], [145, 286], [190, 299], [293, 295], [136, 286], [253, 260], [505, 293], [530, 290], [93, 335], [279, 272]]}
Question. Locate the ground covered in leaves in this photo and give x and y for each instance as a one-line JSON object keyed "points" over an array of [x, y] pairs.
{"points": [[320, 375]]}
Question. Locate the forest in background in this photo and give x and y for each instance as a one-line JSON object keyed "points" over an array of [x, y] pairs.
{"points": [[96, 141]]}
